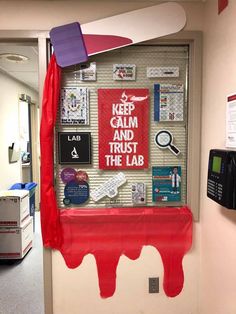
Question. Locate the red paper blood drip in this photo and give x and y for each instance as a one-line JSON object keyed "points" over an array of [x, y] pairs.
{"points": [[110, 233], [106, 233]]}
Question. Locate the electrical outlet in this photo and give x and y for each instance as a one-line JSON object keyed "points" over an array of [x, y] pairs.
{"points": [[153, 284]]}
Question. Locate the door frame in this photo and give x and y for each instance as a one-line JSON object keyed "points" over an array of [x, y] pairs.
{"points": [[194, 40], [41, 37]]}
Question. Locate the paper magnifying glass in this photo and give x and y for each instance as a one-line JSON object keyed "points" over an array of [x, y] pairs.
{"points": [[164, 139]]}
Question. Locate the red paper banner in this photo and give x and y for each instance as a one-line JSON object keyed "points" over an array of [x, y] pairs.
{"points": [[123, 128], [110, 233]]}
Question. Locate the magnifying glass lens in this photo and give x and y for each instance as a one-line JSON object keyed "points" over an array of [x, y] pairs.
{"points": [[163, 139]]}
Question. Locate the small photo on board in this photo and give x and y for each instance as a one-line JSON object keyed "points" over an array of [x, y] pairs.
{"points": [[74, 106], [168, 102], [166, 184], [153, 72], [88, 72], [74, 147], [124, 72], [138, 193]]}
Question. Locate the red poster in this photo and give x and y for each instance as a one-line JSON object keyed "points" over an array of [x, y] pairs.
{"points": [[123, 116]]}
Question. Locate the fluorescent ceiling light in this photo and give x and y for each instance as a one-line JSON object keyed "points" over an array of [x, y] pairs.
{"points": [[13, 57]]}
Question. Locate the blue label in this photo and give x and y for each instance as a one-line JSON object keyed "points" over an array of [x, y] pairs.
{"points": [[156, 102]]}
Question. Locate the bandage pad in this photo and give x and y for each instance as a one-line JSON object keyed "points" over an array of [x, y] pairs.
{"points": [[109, 188]]}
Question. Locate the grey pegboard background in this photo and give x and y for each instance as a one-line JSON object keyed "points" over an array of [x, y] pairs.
{"points": [[142, 56]]}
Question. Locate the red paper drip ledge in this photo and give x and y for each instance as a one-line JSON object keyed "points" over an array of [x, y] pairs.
{"points": [[108, 233]]}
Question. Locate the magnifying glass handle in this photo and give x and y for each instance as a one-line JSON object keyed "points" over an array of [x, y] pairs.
{"points": [[174, 149]]}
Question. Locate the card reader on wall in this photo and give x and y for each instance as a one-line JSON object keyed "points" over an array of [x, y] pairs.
{"points": [[221, 183]]}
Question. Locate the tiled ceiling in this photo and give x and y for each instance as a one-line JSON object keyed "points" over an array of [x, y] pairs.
{"points": [[27, 71]]}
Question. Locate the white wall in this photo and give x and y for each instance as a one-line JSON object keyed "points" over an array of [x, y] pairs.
{"points": [[76, 291], [9, 127], [43, 15], [218, 225]]}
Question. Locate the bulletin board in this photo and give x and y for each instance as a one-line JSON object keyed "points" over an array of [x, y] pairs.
{"points": [[160, 69]]}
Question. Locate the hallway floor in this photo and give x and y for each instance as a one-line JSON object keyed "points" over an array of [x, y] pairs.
{"points": [[21, 281]]}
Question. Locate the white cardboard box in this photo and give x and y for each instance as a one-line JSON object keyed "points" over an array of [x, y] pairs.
{"points": [[14, 207], [16, 242]]}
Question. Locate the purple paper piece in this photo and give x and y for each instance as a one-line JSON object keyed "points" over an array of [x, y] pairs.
{"points": [[68, 174], [68, 44]]}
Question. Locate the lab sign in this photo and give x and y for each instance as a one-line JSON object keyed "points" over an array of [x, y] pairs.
{"points": [[123, 128], [74, 148]]}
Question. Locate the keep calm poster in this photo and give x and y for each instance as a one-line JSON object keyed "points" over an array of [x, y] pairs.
{"points": [[123, 116]]}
